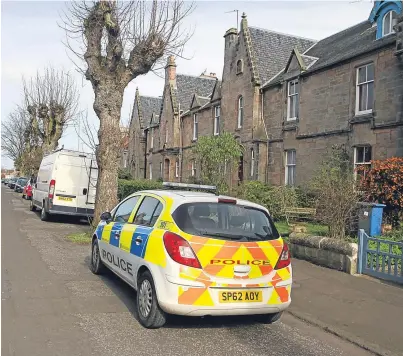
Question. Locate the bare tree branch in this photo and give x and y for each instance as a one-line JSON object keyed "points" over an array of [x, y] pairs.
{"points": [[51, 101]]}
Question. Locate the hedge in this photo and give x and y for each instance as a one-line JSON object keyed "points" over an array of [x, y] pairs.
{"points": [[127, 187]]}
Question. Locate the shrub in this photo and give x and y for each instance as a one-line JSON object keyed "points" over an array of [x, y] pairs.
{"points": [[217, 156], [336, 192], [124, 173], [383, 183], [274, 198], [127, 187]]}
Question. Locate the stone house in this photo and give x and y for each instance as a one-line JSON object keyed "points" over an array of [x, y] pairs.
{"points": [[285, 98], [347, 89]]}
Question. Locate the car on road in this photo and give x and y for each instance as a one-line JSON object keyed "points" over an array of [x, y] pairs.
{"points": [[11, 182], [188, 251], [27, 190], [20, 184]]}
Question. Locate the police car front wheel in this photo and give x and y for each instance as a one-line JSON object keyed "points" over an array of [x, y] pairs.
{"points": [[150, 314], [96, 266]]}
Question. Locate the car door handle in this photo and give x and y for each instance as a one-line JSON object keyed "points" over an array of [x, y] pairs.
{"points": [[117, 234], [138, 240]]}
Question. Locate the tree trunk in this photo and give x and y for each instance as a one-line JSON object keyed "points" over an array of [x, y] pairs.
{"points": [[107, 105]]}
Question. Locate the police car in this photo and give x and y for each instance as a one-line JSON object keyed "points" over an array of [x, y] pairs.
{"points": [[188, 251]]}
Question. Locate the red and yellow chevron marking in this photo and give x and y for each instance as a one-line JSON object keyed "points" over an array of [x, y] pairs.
{"points": [[218, 257]]}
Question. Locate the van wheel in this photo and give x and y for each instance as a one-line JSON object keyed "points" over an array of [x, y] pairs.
{"points": [[96, 266], [44, 214], [269, 318], [150, 314], [32, 207]]}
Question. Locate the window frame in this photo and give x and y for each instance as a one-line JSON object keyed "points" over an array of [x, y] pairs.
{"points": [[390, 29], [177, 168], [150, 173], [216, 126], [288, 165], [166, 132], [295, 97], [240, 112], [195, 127], [358, 87], [161, 169], [364, 163], [193, 169], [239, 66], [252, 162], [144, 197], [133, 212], [152, 138]]}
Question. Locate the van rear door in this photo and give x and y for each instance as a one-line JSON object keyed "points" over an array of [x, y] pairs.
{"points": [[88, 183], [67, 172]]}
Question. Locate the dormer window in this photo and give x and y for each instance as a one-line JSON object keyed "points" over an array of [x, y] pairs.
{"points": [[389, 21], [239, 66]]}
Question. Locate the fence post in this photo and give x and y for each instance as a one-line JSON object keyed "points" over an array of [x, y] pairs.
{"points": [[361, 250]]}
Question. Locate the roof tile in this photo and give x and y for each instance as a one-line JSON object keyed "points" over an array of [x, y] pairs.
{"points": [[273, 50]]}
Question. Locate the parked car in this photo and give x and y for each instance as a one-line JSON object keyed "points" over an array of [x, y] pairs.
{"points": [[20, 184], [195, 253], [6, 181], [66, 184], [11, 182], [27, 191]]}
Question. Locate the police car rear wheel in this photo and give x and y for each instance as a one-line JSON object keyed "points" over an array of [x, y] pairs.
{"points": [[97, 266], [150, 314], [269, 318]]}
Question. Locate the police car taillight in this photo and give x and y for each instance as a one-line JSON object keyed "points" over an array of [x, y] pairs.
{"points": [[52, 188], [285, 258], [180, 250]]}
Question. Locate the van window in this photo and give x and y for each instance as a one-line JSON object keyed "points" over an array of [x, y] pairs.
{"points": [[148, 212], [125, 209], [225, 221]]}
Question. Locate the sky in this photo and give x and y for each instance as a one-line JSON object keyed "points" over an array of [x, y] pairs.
{"points": [[31, 40]]}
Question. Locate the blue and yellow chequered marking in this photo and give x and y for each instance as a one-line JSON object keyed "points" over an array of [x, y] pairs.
{"points": [[116, 230], [143, 233], [99, 230]]}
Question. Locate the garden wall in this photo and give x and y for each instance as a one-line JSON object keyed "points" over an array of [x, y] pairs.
{"points": [[324, 251]]}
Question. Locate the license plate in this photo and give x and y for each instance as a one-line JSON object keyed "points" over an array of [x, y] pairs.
{"points": [[249, 296], [65, 198]]}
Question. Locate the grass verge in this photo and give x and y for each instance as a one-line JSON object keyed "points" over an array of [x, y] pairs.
{"points": [[312, 228], [81, 238]]}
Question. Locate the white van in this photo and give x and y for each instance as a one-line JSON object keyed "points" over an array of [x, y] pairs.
{"points": [[66, 184]]}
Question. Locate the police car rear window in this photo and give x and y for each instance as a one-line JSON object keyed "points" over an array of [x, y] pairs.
{"points": [[225, 222]]}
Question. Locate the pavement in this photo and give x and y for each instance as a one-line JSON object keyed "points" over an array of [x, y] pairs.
{"points": [[53, 305], [363, 310]]}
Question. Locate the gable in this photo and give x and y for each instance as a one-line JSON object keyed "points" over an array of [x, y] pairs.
{"points": [[216, 95], [272, 50]]}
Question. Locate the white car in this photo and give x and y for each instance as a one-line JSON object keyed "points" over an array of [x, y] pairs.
{"points": [[196, 254]]}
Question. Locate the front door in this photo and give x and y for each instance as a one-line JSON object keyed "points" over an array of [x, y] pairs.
{"points": [[144, 220], [112, 233]]}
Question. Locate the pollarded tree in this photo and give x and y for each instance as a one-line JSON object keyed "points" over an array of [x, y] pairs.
{"points": [[13, 134], [120, 40], [51, 101]]}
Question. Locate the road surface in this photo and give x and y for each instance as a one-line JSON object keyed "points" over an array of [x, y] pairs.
{"points": [[53, 305]]}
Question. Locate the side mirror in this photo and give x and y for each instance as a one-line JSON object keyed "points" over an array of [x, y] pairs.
{"points": [[106, 216]]}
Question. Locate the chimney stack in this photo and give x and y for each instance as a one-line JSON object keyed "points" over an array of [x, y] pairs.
{"points": [[170, 69]]}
